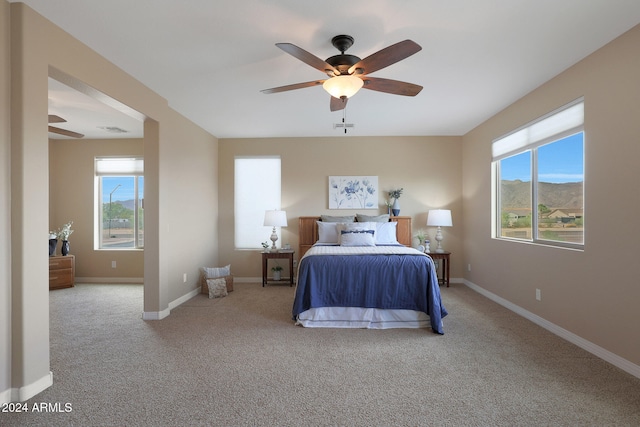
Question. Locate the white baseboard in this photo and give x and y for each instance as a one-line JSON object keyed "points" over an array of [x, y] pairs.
{"points": [[592, 348], [186, 297], [155, 315], [117, 280], [26, 392], [5, 396], [159, 315]]}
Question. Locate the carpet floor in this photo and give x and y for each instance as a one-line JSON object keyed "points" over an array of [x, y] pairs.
{"points": [[240, 361]]}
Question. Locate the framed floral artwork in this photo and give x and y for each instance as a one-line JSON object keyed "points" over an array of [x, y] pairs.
{"points": [[353, 192]]}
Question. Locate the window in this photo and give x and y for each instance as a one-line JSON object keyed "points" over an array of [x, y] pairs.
{"points": [[119, 218], [539, 180], [257, 189]]}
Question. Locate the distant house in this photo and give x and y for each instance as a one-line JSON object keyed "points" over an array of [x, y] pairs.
{"points": [[557, 213], [565, 215]]}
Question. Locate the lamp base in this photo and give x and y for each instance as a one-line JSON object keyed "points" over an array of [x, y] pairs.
{"points": [[439, 239], [274, 239]]}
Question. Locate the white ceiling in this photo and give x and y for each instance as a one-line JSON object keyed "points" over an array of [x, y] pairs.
{"points": [[210, 59]]}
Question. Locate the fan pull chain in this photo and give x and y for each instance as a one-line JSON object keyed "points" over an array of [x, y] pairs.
{"points": [[344, 119]]}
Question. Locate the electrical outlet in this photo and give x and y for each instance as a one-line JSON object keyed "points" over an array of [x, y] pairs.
{"points": [[113, 264], [184, 277], [469, 267], [538, 295]]}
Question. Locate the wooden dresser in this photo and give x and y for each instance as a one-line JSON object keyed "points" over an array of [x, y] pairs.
{"points": [[62, 271], [308, 231]]}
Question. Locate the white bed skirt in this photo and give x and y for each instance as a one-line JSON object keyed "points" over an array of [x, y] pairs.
{"points": [[362, 318]]}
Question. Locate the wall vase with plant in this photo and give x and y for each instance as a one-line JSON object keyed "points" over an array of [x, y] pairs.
{"points": [[395, 195]]}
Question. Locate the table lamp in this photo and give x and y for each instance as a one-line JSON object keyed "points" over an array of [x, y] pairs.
{"points": [[439, 218], [275, 219]]}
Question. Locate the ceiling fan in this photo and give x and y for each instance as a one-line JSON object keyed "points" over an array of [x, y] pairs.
{"points": [[57, 119], [348, 73]]}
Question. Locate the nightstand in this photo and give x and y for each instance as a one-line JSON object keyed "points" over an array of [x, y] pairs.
{"points": [[444, 256], [282, 254]]}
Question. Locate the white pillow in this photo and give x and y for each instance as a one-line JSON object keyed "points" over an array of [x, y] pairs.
{"points": [[213, 272], [355, 226], [327, 232], [217, 288], [386, 233], [357, 238]]}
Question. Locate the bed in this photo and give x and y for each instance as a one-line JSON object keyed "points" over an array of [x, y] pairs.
{"points": [[369, 278]]}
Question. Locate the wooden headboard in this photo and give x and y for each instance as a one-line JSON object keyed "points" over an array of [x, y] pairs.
{"points": [[308, 230]]}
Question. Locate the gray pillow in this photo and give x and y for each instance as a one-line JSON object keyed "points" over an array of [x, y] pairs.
{"points": [[372, 218], [329, 218]]}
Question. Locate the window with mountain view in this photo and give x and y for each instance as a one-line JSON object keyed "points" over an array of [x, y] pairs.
{"points": [[119, 203], [539, 180]]}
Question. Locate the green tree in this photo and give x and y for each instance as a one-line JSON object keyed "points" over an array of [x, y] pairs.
{"points": [[543, 209], [116, 211]]}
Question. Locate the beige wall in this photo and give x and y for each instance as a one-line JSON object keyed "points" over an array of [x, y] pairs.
{"points": [[180, 189], [71, 198], [5, 203], [593, 293], [428, 168]]}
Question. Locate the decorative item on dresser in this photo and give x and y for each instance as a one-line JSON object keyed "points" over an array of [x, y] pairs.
{"points": [[62, 271]]}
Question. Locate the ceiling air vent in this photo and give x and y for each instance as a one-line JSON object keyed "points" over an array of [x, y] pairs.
{"points": [[113, 129]]}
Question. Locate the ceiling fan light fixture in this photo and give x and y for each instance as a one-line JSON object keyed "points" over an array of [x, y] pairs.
{"points": [[344, 85]]}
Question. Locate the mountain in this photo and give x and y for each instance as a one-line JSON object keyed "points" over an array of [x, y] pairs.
{"points": [[517, 194], [129, 204]]}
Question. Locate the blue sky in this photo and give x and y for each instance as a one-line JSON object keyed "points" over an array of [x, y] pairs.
{"points": [[559, 162], [124, 192]]}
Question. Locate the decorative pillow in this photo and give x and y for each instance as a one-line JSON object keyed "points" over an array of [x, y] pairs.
{"points": [[213, 272], [327, 232], [355, 226], [217, 288], [372, 218], [386, 233], [357, 238], [329, 218]]}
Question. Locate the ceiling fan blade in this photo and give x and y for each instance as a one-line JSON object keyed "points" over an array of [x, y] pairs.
{"points": [[65, 132], [56, 119], [394, 87], [385, 57], [293, 86], [308, 58], [337, 104]]}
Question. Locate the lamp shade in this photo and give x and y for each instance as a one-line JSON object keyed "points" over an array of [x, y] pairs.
{"points": [[339, 86], [439, 218], [275, 218]]}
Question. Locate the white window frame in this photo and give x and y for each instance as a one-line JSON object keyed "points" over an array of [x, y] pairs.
{"points": [[559, 124], [116, 166], [257, 188]]}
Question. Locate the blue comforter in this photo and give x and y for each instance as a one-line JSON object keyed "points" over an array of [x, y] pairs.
{"points": [[387, 281]]}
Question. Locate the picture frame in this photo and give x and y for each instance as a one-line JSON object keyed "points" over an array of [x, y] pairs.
{"points": [[353, 192]]}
